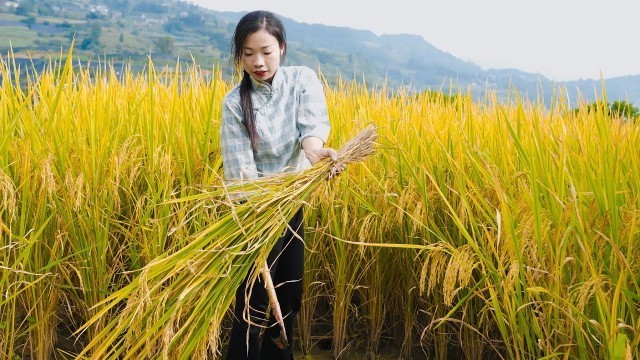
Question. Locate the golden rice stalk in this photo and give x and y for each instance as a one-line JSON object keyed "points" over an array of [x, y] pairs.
{"points": [[175, 306], [281, 342]]}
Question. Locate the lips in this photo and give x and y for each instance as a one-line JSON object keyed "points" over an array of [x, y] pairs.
{"points": [[260, 73]]}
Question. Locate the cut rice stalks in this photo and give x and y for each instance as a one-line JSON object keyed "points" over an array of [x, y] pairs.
{"points": [[174, 307]]}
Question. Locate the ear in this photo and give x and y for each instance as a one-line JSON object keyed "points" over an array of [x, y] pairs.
{"points": [[282, 49]]}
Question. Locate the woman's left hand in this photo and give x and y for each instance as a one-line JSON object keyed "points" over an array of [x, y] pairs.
{"points": [[315, 155], [336, 170], [315, 151], [318, 154]]}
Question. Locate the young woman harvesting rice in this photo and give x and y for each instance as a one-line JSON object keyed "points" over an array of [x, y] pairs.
{"points": [[274, 121]]}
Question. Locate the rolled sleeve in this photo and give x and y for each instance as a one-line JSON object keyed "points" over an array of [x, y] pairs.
{"points": [[313, 117], [237, 155]]}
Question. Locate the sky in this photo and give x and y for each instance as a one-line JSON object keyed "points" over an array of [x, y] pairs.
{"points": [[560, 39]]}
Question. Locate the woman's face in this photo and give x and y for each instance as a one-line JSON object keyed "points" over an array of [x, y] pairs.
{"points": [[261, 55]]}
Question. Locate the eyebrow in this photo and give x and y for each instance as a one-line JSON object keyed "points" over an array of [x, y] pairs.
{"points": [[264, 47]]}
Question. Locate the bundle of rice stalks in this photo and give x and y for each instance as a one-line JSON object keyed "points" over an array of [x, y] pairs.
{"points": [[174, 307]]}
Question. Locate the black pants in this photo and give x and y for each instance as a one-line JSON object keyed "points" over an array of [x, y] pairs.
{"points": [[286, 264]]}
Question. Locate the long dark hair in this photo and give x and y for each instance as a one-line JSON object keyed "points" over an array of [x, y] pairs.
{"points": [[249, 24]]}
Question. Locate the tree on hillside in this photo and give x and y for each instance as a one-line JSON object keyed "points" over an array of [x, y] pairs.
{"points": [[95, 33], [192, 19], [45, 9], [173, 26], [149, 7], [121, 6], [624, 109], [29, 21], [93, 15], [220, 40], [25, 8], [164, 44]]}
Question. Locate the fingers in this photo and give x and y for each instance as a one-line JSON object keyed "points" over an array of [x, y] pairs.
{"points": [[337, 167], [315, 155], [336, 170], [332, 154]]}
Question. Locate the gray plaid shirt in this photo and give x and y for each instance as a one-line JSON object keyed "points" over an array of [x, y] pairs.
{"points": [[287, 111]]}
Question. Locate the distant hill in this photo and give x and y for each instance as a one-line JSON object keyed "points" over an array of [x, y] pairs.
{"points": [[130, 30]]}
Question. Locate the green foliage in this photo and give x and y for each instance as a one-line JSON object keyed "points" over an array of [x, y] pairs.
{"points": [[624, 109], [25, 8], [45, 9], [29, 21], [193, 20], [617, 109], [120, 5], [64, 25], [173, 26], [164, 44], [149, 7], [95, 32], [94, 16], [86, 44], [620, 349]]}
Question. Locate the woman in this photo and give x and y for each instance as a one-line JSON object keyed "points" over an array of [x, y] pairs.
{"points": [[274, 120]]}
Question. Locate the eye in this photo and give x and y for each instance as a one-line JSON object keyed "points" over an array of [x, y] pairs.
{"points": [[247, 54], [268, 52]]}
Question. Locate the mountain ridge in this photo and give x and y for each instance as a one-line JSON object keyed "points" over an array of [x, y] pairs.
{"points": [[172, 29]]}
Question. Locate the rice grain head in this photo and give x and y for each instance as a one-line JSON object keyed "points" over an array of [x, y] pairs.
{"points": [[434, 267], [458, 272], [75, 190], [587, 290], [48, 184], [8, 196]]}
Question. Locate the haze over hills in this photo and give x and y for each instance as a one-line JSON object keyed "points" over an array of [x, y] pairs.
{"points": [[128, 30]]}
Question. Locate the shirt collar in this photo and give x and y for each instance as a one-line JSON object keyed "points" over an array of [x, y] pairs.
{"points": [[266, 88]]}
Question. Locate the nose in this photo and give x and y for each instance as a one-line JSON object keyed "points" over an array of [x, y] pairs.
{"points": [[258, 61]]}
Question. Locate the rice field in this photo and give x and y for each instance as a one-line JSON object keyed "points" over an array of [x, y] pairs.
{"points": [[478, 229]]}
